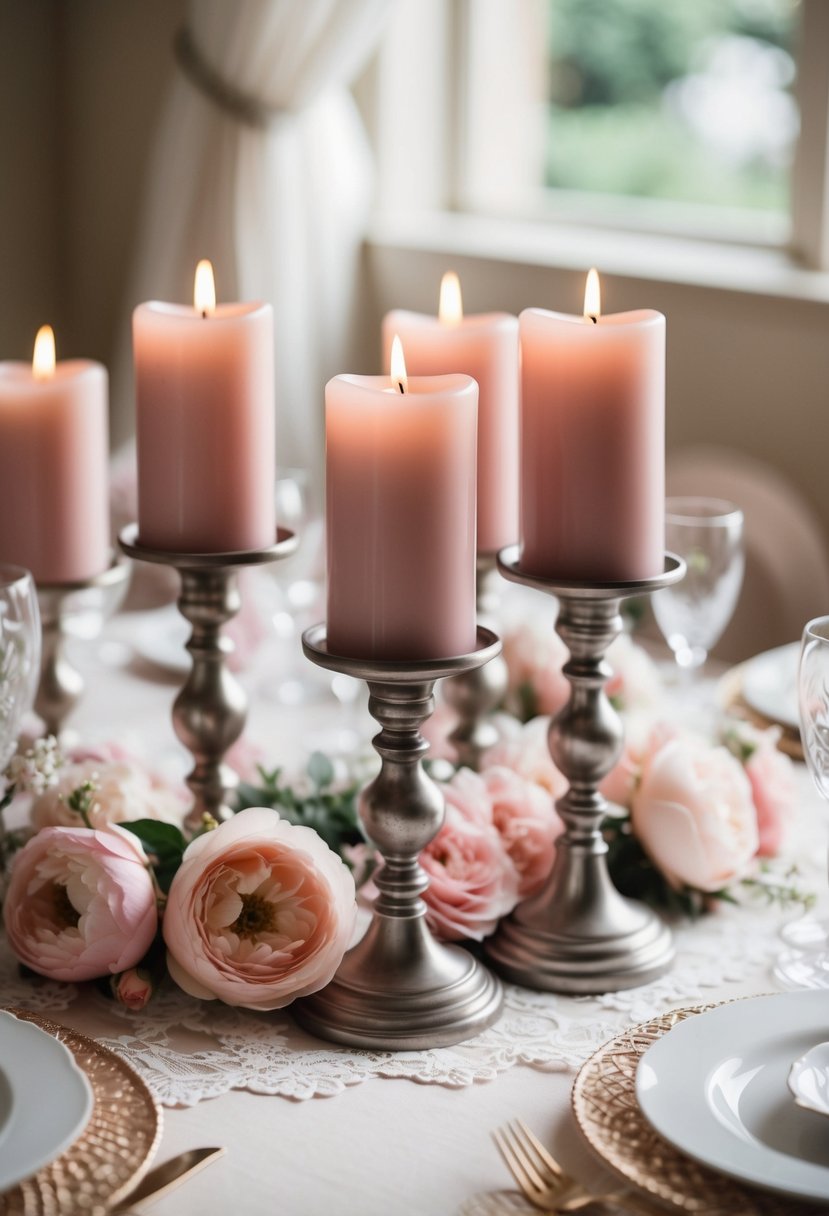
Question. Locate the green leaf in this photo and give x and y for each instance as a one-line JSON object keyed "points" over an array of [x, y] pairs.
{"points": [[320, 770], [160, 838]]}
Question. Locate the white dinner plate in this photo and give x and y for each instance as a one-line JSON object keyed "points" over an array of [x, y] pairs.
{"points": [[769, 685], [716, 1087], [49, 1099]]}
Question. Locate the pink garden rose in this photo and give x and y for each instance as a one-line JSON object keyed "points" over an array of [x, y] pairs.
{"points": [[524, 749], [535, 655], [133, 989], [80, 903], [641, 745], [771, 775], [693, 814], [473, 881], [260, 912], [527, 823], [124, 791]]}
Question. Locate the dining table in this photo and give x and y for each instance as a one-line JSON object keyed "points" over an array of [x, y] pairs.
{"points": [[312, 1128]]}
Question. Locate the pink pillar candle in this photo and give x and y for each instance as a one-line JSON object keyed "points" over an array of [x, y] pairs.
{"points": [[592, 445], [400, 513], [205, 427], [484, 347], [54, 494]]}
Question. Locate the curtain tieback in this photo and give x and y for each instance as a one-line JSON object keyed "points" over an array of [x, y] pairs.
{"points": [[245, 107]]}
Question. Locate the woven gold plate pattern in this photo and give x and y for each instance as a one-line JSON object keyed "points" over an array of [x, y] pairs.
{"points": [[114, 1149], [606, 1110]]}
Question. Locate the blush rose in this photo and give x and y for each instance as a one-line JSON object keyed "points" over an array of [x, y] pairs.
{"points": [[693, 813], [80, 903], [260, 912]]}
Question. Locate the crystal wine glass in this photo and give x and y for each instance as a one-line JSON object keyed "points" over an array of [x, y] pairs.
{"points": [[807, 964], [693, 614], [19, 654]]}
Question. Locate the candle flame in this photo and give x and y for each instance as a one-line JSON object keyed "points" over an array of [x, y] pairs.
{"points": [[450, 310], [204, 289], [43, 360], [593, 295], [398, 365]]}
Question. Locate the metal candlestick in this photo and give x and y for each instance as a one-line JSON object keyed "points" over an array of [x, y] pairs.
{"points": [[474, 694], [61, 685], [210, 710], [579, 934], [398, 987]]}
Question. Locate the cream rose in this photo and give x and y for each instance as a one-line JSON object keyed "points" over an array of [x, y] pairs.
{"points": [[694, 815]]}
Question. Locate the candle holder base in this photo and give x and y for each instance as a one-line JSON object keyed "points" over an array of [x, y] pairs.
{"points": [[61, 685], [399, 988], [210, 710], [579, 934]]}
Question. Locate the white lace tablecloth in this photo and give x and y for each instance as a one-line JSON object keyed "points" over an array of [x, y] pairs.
{"points": [[389, 1146], [190, 1050]]}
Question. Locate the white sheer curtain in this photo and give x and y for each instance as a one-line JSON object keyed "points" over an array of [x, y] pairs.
{"points": [[278, 201]]}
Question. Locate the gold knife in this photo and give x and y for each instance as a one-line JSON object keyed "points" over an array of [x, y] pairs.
{"points": [[167, 1177]]}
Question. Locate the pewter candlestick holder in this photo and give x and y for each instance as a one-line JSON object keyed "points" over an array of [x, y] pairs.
{"points": [[475, 693], [61, 685], [399, 988], [579, 934], [210, 710]]}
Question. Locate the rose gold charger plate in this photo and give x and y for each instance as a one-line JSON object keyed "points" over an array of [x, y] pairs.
{"points": [[115, 1148], [608, 1115]]}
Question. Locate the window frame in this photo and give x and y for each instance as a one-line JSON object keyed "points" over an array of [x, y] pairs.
{"points": [[437, 50]]}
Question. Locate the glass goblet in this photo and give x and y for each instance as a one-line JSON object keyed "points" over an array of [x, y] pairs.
{"points": [[19, 654], [808, 966], [693, 614]]}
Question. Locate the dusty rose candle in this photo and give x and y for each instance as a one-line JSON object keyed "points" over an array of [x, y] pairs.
{"points": [[400, 514], [54, 499], [204, 380], [484, 347], [592, 443]]}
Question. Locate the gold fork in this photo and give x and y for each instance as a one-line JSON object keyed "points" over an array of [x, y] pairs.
{"points": [[541, 1178]]}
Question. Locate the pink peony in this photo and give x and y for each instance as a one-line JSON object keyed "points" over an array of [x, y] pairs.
{"points": [[527, 823], [771, 775], [693, 814], [525, 750], [80, 903], [473, 881], [124, 791], [260, 912]]}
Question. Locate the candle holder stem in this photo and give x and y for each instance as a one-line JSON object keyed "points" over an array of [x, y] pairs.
{"points": [[398, 987], [579, 934], [210, 711], [61, 684], [476, 693]]}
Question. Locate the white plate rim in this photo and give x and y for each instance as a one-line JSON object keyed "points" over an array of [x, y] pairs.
{"points": [[687, 1042], [39, 1056], [760, 669]]}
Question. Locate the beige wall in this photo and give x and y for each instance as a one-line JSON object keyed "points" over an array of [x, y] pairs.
{"points": [[81, 86]]}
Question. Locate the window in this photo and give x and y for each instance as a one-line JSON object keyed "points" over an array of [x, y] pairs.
{"points": [[632, 114]]}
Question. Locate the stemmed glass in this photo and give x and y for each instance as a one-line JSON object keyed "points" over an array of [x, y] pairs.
{"points": [[807, 964], [19, 654], [693, 613]]}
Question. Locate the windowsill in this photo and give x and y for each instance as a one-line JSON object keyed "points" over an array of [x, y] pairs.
{"points": [[755, 270]]}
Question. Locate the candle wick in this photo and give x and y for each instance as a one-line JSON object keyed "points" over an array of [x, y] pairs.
{"points": [[204, 314], [400, 386], [595, 320]]}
